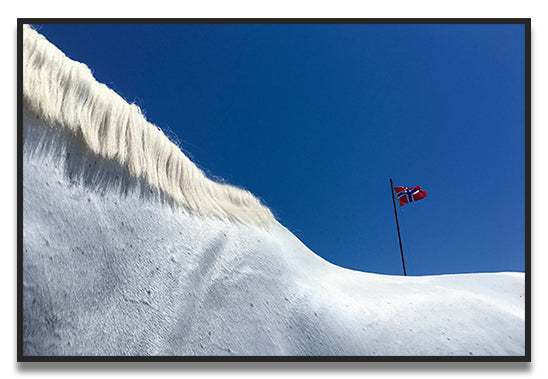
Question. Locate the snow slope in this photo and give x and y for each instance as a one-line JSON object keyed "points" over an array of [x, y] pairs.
{"points": [[113, 267]]}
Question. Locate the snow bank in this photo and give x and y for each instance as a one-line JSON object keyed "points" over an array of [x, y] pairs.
{"points": [[112, 266]]}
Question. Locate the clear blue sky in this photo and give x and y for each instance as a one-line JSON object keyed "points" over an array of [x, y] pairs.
{"points": [[315, 119]]}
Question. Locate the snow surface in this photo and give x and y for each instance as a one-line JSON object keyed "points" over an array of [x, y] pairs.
{"points": [[111, 268]]}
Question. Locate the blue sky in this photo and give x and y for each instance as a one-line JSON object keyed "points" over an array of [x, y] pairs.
{"points": [[315, 119]]}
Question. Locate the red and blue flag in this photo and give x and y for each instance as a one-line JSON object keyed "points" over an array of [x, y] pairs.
{"points": [[409, 194]]}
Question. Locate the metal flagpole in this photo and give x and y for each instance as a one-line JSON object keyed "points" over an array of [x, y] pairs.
{"points": [[398, 225]]}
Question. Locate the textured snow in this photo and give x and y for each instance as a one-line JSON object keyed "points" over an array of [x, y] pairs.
{"points": [[112, 268]]}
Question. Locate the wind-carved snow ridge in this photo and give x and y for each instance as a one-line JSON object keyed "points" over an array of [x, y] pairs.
{"points": [[110, 270], [66, 96]]}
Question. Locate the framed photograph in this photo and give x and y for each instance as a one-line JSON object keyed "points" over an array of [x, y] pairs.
{"points": [[274, 189]]}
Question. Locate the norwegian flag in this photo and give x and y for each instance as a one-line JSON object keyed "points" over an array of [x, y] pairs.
{"points": [[408, 195]]}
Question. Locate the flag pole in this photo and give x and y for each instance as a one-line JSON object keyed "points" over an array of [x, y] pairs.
{"points": [[398, 225]]}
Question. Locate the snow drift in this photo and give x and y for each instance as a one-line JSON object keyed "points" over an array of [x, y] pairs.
{"points": [[128, 249]]}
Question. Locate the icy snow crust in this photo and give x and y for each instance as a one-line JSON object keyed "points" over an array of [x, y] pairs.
{"points": [[112, 268]]}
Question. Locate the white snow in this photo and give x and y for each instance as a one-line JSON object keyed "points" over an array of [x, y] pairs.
{"points": [[113, 269]]}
